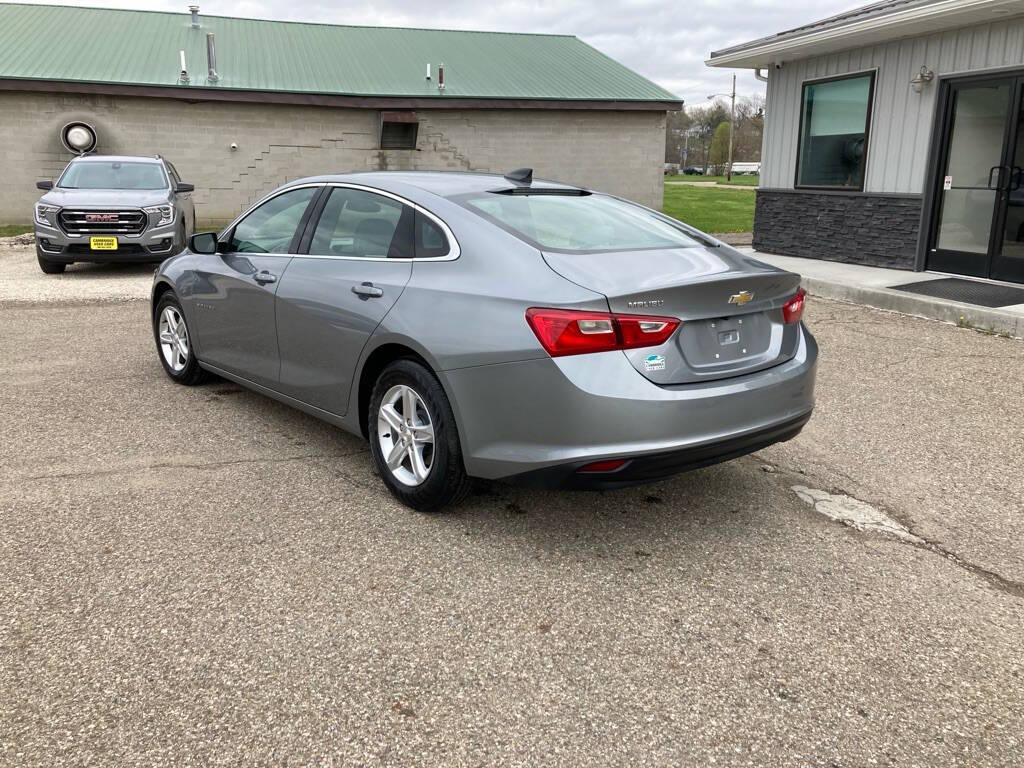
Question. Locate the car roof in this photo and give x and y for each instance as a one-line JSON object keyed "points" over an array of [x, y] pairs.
{"points": [[443, 183], [116, 159]]}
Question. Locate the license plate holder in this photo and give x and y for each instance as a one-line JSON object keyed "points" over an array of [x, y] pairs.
{"points": [[722, 341], [103, 243]]}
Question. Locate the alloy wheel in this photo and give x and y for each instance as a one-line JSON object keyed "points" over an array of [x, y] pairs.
{"points": [[173, 339], [406, 435]]}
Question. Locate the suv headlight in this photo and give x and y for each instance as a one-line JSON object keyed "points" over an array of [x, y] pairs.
{"points": [[164, 212], [44, 214]]}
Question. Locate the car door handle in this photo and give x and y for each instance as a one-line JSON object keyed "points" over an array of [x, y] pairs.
{"points": [[264, 277], [367, 291]]}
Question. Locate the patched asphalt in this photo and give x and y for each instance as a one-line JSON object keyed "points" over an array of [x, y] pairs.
{"points": [[205, 577]]}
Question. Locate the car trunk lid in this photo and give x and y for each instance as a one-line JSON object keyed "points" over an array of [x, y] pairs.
{"points": [[730, 306]]}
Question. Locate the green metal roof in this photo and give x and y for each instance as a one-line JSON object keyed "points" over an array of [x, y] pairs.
{"points": [[94, 45]]}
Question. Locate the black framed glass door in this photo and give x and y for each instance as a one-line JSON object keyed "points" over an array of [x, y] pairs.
{"points": [[1008, 257], [978, 219]]}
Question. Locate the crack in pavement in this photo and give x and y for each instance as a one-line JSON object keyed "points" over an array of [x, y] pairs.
{"points": [[861, 516], [185, 465]]}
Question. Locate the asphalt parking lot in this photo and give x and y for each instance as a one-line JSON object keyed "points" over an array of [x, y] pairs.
{"points": [[203, 576]]}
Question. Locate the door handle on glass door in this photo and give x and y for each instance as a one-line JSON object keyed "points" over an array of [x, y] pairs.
{"points": [[367, 291], [999, 176], [264, 277]]}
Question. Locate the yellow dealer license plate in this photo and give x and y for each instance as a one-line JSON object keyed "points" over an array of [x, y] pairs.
{"points": [[103, 243]]}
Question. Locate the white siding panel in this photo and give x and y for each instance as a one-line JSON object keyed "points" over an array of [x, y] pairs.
{"points": [[901, 120]]}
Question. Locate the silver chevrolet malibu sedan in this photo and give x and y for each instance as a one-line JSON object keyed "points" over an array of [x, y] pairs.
{"points": [[499, 327]]}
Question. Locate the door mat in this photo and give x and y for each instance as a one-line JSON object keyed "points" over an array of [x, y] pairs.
{"points": [[966, 291]]}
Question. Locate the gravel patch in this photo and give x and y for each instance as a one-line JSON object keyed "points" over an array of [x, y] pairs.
{"points": [[23, 283]]}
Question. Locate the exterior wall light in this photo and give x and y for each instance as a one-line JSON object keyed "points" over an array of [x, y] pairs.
{"points": [[79, 138], [921, 79]]}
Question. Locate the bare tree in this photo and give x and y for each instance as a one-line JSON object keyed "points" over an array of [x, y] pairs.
{"points": [[702, 121], [676, 126]]}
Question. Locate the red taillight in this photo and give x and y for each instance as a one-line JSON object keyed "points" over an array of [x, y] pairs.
{"points": [[640, 331], [563, 332], [793, 309], [571, 332]]}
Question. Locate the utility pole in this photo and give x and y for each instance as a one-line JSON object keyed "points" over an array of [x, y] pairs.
{"points": [[732, 128], [732, 122]]}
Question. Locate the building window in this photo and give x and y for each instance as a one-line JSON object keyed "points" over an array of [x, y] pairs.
{"points": [[834, 120], [398, 130]]}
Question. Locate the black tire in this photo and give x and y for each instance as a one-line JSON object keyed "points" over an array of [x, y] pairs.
{"points": [[50, 267], [190, 373], [446, 483]]}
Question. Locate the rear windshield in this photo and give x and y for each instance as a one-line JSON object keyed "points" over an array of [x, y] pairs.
{"points": [[95, 174], [578, 223]]}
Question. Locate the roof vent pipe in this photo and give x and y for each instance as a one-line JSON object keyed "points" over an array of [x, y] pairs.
{"points": [[440, 77], [211, 59], [184, 69], [428, 70], [194, 10]]}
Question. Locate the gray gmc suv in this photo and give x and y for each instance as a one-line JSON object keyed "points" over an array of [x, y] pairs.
{"points": [[105, 209]]}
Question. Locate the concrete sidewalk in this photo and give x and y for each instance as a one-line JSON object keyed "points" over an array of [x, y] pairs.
{"points": [[873, 286]]}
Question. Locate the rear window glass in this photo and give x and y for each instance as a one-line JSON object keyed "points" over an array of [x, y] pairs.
{"points": [[113, 175], [577, 223]]}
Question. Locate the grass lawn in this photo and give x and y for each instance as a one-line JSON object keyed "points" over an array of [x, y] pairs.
{"points": [[710, 209], [10, 230], [742, 181]]}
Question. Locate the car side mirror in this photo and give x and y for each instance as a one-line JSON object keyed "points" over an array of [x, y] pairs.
{"points": [[44, 185], [203, 242], [182, 186]]}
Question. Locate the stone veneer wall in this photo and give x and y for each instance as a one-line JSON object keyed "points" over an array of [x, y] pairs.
{"points": [[860, 228]]}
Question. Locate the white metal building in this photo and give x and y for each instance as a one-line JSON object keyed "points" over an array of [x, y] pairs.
{"points": [[894, 136]]}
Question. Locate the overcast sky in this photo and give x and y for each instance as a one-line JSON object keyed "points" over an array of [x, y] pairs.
{"points": [[664, 40]]}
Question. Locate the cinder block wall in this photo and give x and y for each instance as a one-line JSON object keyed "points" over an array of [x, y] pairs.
{"points": [[618, 152]]}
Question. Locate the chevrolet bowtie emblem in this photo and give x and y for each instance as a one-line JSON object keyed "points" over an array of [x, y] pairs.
{"points": [[741, 298]]}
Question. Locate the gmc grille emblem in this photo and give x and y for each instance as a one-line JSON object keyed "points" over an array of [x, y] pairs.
{"points": [[101, 217]]}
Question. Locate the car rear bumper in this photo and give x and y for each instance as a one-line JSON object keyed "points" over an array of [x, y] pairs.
{"points": [[647, 468], [539, 421]]}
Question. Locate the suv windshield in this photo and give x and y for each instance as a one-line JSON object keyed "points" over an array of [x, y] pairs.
{"points": [[93, 174], [578, 223]]}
